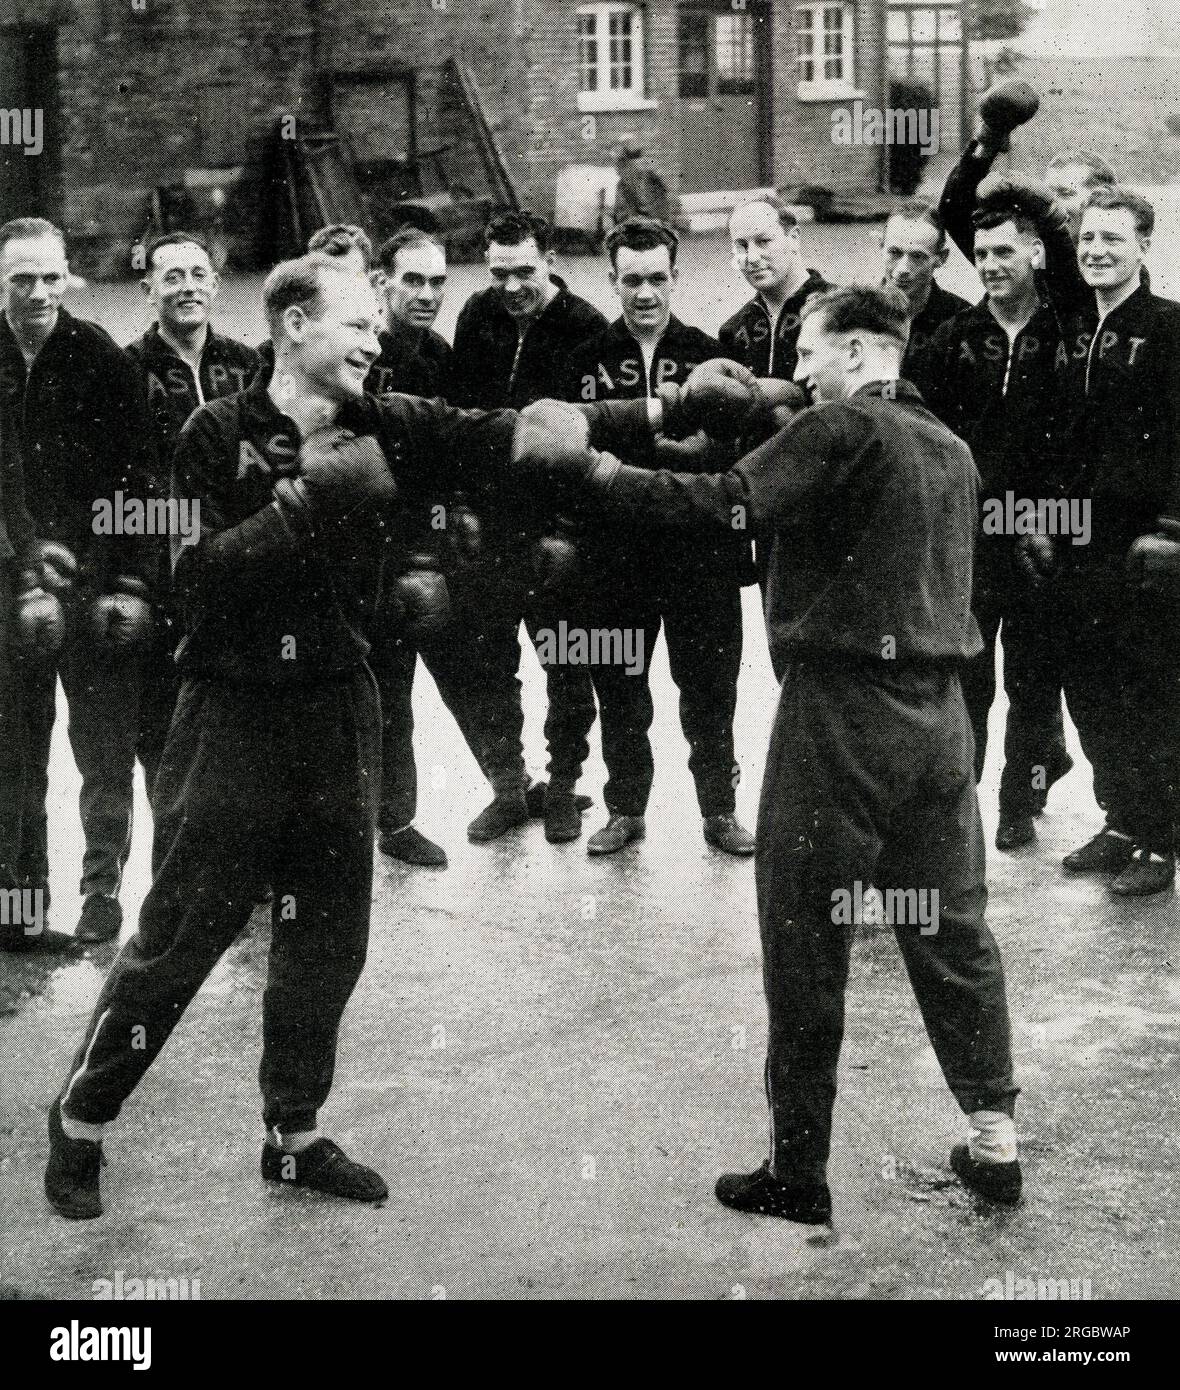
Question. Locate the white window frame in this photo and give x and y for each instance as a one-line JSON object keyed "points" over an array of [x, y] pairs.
{"points": [[607, 98], [822, 88]]}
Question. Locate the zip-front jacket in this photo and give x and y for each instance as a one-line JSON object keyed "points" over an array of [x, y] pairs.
{"points": [[611, 367], [81, 421], [768, 347], [416, 362], [265, 600], [940, 306], [1003, 398], [870, 505], [1122, 443]]}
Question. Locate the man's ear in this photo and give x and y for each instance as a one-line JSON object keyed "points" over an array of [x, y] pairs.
{"points": [[550, 258], [613, 276], [1144, 243], [1038, 254], [675, 273], [146, 286], [294, 322], [214, 285]]}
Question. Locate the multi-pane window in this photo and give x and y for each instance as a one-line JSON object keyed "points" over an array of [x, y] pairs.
{"points": [[610, 51], [694, 54], [734, 41], [824, 34]]}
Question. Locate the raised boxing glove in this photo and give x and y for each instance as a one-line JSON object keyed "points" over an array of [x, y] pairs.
{"points": [[720, 397], [1001, 109], [122, 619], [552, 437]]}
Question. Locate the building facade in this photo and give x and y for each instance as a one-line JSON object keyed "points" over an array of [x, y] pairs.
{"points": [[137, 94]]}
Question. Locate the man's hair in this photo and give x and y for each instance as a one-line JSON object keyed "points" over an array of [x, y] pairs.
{"points": [[786, 218], [641, 234], [916, 210], [879, 309], [404, 240], [515, 228], [174, 239], [987, 219], [339, 238], [1099, 170], [27, 229], [298, 283], [1114, 196]]}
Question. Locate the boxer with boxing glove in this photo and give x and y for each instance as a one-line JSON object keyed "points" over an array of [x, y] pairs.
{"points": [[646, 580], [78, 405]]}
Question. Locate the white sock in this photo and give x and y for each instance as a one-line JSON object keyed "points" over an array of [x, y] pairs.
{"points": [[78, 1129], [294, 1142], [991, 1137]]}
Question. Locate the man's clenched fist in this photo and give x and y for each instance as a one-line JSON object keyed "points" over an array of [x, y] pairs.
{"points": [[554, 437], [122, 619], [720, 397], [340, 473]]}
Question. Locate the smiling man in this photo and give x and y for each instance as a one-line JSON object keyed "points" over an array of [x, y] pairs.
{"points": [[913, 247], [1119, 625], [75, 404], [184, 364]]}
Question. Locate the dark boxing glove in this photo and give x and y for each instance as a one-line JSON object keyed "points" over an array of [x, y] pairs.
{"points": [[122, 619], [40, 622], [419, 595], [464, 534], [1153, 562], [59, 569], [339, 473], [1001, 109], [1030, 196], [555, 561], [720, 397], [1036, 558], [552, 437]]}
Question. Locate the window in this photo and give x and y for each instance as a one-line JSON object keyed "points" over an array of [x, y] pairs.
{"points": [[825, 39], [694, 54], [610, 58], [735, 55]]}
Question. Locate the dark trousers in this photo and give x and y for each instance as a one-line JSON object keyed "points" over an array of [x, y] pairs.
{"points": [[868, 781], [702, 624], [488, 610], [157, 701], [256, 785], [1118, 649], [12, 741], [394, 660], [1034, 736], [102, 691]]}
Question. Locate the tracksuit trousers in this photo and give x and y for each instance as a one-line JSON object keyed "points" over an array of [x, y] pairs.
{"points": [[702, 624], [1122, 684], [103, 694], [256, 784], [869, 781]]}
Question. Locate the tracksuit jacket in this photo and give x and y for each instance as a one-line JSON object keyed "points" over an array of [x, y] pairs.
{"points": [[81, 418], [748, 338]]}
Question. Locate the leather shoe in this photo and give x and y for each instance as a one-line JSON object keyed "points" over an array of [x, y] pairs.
{"points": [[324, 1167], [1106, 853], [1015, 833], [502, 815], [534, 799], [100, 920], [724, 833], [71, 1175], [998, 1182], [563, 820], [762, 1194], [617, 832], [1146, 873], [412, 847]]}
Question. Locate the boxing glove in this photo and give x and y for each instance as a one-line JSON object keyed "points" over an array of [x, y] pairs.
{"points": [[1036, 558], [553, 437], [555, 562], [40, 622], [339, 473], [1002, 109], [1030, 196], [122, 619], [58, 567], [720, 397], [464, 534], [419, 595], [1153, 563]]}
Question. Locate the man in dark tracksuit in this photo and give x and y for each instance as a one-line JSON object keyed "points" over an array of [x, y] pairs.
{"points": [[271, 769], [414, 360], [20, 569], [990, 373], [637, 580], [76, 404], [512, 343], [184, 365], [1118, 635], [913, 247], [871, 502]]}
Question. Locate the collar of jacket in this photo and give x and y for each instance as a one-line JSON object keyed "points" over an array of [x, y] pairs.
{"points": [[980, 315], [674, 332], [156, 347], [812, 285], [64, 330], [1141, 299], [276, 436], [896, 390]]}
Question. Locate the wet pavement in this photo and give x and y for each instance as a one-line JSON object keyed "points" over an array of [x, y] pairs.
{"points": [[550, 1058]]}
